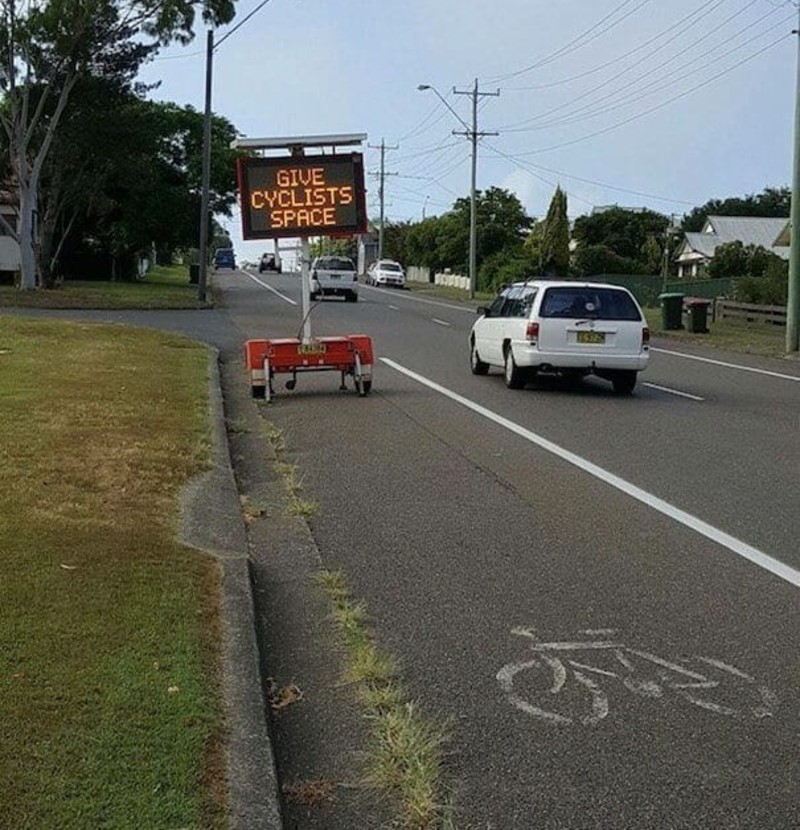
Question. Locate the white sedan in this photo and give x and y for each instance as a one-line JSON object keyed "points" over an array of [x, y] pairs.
{"points": [[386, 272]]}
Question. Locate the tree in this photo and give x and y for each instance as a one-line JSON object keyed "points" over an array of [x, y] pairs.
{"points": [[594, 260], [132, 182], [555, 237], [734, 259], [771, 202], [46, 49], [623, 231]]}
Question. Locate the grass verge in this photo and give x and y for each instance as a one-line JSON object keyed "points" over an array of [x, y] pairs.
{"points": [[164, 287], [747, 338], [406, 756], [108, 626]]}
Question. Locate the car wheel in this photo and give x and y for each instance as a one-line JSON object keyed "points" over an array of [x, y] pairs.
{"points": [[477, 366], [624, 381], [352, 297], [515, 377]]}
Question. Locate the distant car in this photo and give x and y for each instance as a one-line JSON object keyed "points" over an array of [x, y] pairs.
{"points": [[386, 272], [334, 276], [567, 328], [269, 262], [224, 258]]}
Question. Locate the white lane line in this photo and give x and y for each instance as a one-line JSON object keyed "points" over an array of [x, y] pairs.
{"points": [[393, 308], [270, 288], [737, 546], [441, 322], [409, 297], [673, 391], [795, 378]]}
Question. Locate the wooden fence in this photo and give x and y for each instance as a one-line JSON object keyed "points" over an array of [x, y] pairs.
{"points": [[749, 312]]}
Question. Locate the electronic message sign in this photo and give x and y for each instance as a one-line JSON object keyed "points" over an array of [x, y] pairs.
{"points": [[301, 196]]}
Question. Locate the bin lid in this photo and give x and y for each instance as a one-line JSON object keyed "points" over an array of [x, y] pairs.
{"points": [[669, 295]]}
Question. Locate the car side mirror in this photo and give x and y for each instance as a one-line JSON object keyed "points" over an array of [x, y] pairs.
{"points": [[482, 310]]}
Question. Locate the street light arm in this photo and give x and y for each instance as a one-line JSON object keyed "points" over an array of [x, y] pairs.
{"points": [[424, 87]]}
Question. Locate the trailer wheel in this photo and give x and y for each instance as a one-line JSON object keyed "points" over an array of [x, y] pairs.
{"points": [[258, 391]]}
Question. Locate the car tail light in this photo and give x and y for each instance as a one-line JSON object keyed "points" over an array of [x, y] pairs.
{"points": [[532, 331], [645, 335]]}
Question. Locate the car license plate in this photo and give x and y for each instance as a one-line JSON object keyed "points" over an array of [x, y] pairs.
{"points": [[591, 337], [334, 276]]}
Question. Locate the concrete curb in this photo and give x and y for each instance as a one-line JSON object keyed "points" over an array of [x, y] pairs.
{"points": [[212, 522]]}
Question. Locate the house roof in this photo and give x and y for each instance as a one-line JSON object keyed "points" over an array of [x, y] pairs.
{"points": [[749, 230]]}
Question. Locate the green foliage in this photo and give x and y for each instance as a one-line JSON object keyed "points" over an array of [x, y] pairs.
{"points": [[440, 242], [510, 265], [625, 232], [733, 259], [328, 246], [771, 202], [395, 240], [767, 290], [591, 260], [555, 237]]}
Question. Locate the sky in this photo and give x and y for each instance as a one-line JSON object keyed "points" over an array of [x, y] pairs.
{"points": [[640, 103]]}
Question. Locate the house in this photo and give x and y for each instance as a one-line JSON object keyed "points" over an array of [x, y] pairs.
{"points": [[10, 258], [697, 249]]}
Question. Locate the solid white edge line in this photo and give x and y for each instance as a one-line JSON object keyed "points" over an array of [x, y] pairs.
{"points": [[270, 288], [795, 378], [673, 391], [716, 535], [441, 322]]}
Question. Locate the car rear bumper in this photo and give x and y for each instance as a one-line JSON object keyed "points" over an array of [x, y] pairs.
{"points": [[529, 356]]}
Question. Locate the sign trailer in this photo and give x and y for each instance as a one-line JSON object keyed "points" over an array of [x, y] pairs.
{"points": [[301, 196]]}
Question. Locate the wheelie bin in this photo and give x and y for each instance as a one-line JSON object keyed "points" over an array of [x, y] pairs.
{"points": [[671, 311], [697, 314]]}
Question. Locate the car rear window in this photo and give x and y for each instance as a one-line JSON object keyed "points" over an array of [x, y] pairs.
{"points": [[336, 263], [592, 303], [390, 266]]}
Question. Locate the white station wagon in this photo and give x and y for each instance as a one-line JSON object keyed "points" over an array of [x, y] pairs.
{"points": [[567, 328]]}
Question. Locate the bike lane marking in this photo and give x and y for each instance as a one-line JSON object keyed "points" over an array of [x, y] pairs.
{"points": [[687, 686], [270, 288], [720, 537], [673, 391], [780, 375]]}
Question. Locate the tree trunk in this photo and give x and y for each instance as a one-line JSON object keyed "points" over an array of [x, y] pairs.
{"points": [[27, 210]]}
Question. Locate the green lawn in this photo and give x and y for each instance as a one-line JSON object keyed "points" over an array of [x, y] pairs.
{"points": [[108, 626], [749, 338], [165, 287]]}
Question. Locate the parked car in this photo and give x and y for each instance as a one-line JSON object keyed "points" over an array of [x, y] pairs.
{"points": [[386, 272], [224, 258], [567, 328], [269, 262], [334, 276]]}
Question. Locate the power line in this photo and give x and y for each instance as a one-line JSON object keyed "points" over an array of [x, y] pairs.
{"points": [[241, 23], [619, 58], [528, 164], [633, 94], [708, 10], [575, 42], [656, 85], [663, 103]]}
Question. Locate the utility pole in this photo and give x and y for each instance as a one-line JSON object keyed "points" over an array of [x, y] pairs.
{"points": [[383, 147], [473, 135], [668, 231], [206, 174], [793, 300]]}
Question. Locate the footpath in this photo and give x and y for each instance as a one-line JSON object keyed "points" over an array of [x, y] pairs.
{"points": [[297, 737]]}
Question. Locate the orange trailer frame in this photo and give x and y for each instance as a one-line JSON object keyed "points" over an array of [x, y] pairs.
{"points": [[350, 355]]}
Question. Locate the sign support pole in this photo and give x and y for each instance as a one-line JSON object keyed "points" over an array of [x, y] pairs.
{"points": [[305, 278]]}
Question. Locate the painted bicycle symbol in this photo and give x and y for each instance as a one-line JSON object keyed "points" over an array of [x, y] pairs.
{"points": [[565, 681]]}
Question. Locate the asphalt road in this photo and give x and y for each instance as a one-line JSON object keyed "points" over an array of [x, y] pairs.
{"points": [[607, 655], [600, 593]]}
